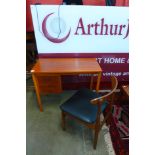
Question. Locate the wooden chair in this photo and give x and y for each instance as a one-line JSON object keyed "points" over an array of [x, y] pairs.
{"points": [[87, 106]]}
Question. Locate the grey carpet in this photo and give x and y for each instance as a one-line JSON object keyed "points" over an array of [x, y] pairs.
{"points": [[44, 135]]}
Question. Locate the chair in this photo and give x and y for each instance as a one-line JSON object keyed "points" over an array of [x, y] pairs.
{"points": [[87, 106]]}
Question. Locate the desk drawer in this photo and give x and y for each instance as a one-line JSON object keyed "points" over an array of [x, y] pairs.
{"points": [[50, 84]]}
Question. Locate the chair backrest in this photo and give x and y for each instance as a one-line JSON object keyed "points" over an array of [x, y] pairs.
{"points": [[94, 2], [110, 95]]}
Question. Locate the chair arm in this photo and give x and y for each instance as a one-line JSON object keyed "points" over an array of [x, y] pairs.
{"points": [[100, 99], [97, 100]]}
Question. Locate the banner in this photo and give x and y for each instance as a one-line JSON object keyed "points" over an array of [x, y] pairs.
{"points": [[80, 29]]}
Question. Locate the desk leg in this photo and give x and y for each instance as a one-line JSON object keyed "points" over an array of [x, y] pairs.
{"points": [[98, 82], [91, 82], [36, 85]]}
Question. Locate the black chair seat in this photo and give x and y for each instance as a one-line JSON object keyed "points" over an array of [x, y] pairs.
{"points": [[79, 105]]}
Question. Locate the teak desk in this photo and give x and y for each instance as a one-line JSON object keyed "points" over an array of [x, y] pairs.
{"points": [[64, 66]]}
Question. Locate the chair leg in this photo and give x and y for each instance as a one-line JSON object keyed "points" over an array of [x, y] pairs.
{"points": [[63, 120], [96, 136]]}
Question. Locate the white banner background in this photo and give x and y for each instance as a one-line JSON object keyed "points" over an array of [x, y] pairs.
{"points": [[65, 17]]}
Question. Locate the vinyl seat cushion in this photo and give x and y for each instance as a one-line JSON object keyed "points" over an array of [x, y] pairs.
{"points": [[79, 105]]}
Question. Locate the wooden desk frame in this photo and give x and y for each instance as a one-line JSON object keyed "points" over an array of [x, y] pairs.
{"points": [[40, 70]]}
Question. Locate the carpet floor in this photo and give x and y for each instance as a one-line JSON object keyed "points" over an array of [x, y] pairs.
{"points": [[46, 137]]}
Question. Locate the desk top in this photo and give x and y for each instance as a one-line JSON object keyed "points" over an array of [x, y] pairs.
{"points": [[66, 65]]}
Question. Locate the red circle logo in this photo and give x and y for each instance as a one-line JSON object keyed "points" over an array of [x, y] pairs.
{"points": [[48, 36]]}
